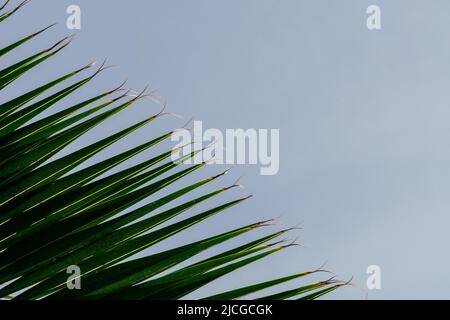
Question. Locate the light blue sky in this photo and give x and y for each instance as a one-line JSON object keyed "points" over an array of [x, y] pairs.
{"points": [[364, 118]]}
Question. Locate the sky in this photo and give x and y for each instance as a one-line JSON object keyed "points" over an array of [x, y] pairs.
{"points": [[363, 119]]}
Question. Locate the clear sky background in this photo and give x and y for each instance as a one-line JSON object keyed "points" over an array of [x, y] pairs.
{"points": [[363, 115]]}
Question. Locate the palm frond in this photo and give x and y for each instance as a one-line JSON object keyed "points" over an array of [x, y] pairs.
{"points": [[55, 214]]}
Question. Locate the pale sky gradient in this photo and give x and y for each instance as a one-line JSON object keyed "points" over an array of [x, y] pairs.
{"points": [[364, 118]]}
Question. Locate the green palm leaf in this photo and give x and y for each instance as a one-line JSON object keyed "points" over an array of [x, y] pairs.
{"points": [[55, 214]]}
